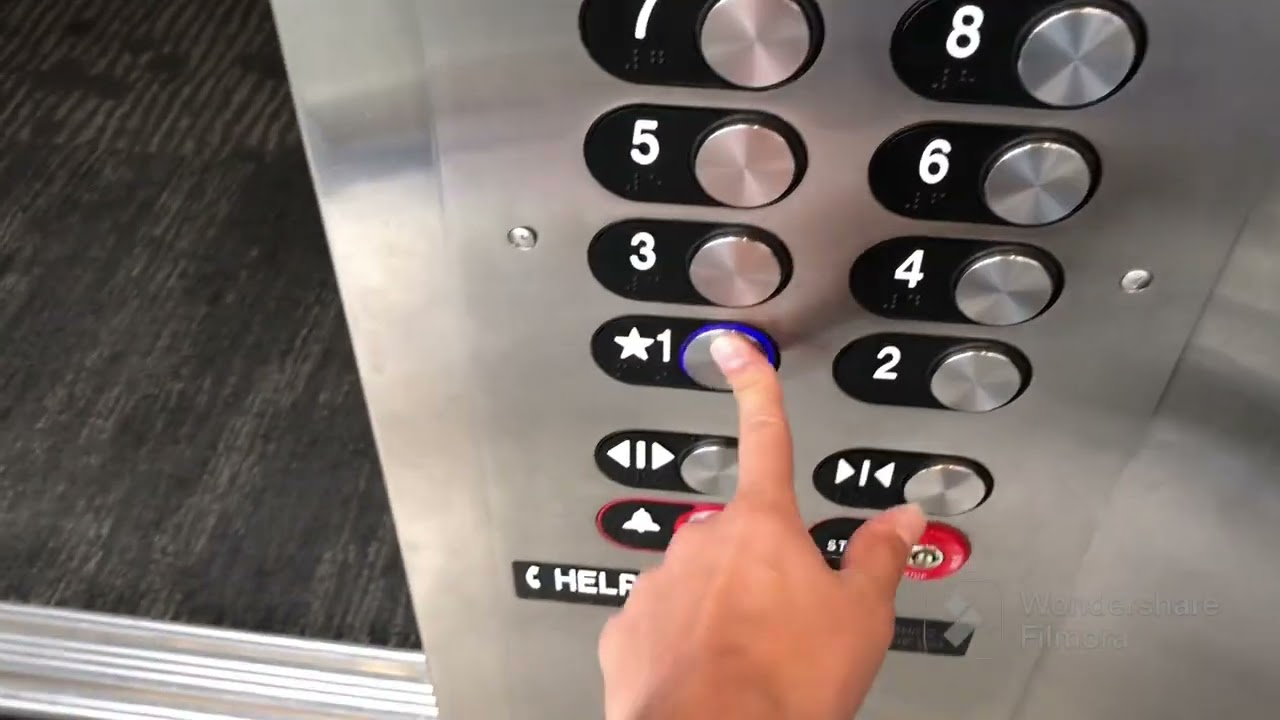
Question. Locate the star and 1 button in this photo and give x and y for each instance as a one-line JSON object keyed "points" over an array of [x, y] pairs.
{"points": [[669, 352]]}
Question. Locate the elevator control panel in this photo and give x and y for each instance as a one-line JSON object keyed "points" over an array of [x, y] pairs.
{"points": [[973, 236], [1049, 54], [746, 156]]}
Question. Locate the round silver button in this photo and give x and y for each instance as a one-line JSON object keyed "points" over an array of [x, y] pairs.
{"points": [[1077, 56], [946, 489], [711, 468], [756, 43], [698, 363], [976, 381], [745, 165], [735, 271], [1038, 183], [1004, 289]]}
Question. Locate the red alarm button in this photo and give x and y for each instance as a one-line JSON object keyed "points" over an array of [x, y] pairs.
{"points": [[701, 512], [942, 551]]}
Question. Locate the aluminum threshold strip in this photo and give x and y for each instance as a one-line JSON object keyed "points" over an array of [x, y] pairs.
{"points": [[74, 664]]}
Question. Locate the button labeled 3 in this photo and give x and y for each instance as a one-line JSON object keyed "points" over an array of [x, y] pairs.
{"points": [[689, 263]]}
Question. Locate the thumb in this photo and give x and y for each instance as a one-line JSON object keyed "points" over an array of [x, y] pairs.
{"points": [[878, 552]]}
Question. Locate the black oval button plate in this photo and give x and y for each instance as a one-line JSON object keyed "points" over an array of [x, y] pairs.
{"points": [[655, 42], [645, 153], [902, 168], [986, 74], [832, 536], [914, 278], [896, 369], [650, 459], [645, 349], [646, 524], [876, 479], [648, 260]]}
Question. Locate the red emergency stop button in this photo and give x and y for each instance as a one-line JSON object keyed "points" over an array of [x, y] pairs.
{"points": [[942, 551]]}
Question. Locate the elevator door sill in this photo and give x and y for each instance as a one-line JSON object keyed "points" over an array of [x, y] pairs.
{"points": [[57, 663]]}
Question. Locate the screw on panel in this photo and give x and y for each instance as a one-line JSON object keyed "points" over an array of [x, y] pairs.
{"points": [[1136, 280], [522, 237]]}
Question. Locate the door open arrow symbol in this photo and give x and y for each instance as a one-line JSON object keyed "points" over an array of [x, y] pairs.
{"points": [[658, 455]]}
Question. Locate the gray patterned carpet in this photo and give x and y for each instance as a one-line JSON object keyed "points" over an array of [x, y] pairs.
{"points": [[182, 434]]}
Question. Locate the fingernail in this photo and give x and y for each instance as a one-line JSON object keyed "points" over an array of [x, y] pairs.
{"points": [[908, 521], [730, 352]]}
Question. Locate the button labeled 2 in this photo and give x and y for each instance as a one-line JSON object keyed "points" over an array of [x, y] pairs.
{"points": [[650, 350], [930, 371]]}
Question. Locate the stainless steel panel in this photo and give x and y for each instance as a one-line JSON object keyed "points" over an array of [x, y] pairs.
{"points": [[434, 127]]}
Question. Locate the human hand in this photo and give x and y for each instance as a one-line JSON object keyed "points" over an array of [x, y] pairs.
{"points": [[744, 618]]}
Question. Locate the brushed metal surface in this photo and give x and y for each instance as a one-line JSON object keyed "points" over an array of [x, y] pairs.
{"points": [[976, 381], [744, 165], [711, 468], [1037, 183], [755, 43], [1077, 56], [735, 271], [434, 128], [1006, 288], [945, 489]]}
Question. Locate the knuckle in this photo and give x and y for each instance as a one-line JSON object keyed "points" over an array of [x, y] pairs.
{"points": [[764, 422], [755, 382]]}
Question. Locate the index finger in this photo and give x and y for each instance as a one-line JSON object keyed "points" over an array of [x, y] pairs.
{"points": [[764, 437]]}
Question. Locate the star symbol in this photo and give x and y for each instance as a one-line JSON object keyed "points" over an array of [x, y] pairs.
{"points": [[634, 345]]}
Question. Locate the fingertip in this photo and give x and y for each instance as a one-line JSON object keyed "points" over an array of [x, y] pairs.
{"points": [[877, 553], [733, 353], [908, 521]]}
